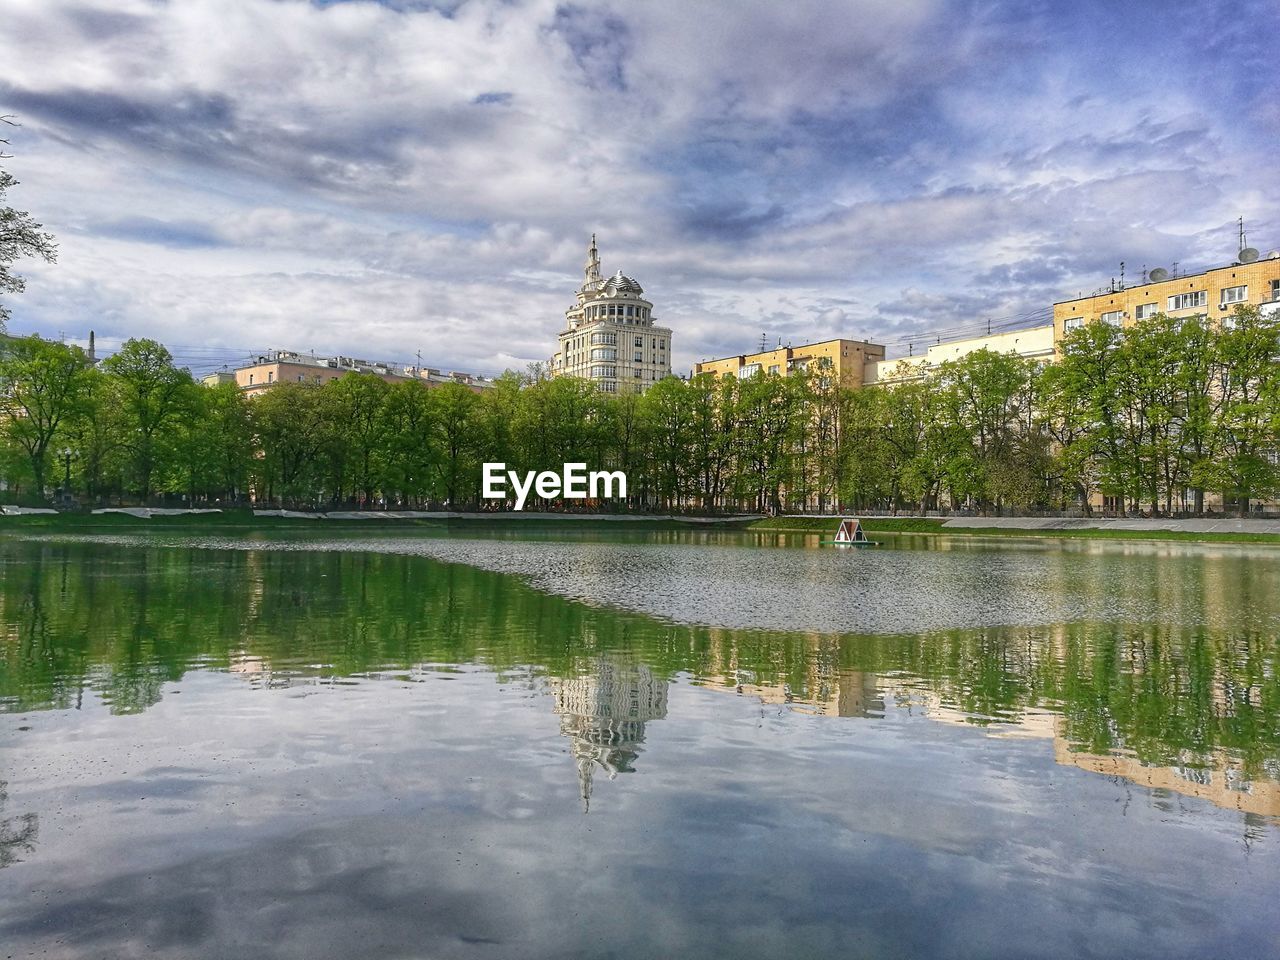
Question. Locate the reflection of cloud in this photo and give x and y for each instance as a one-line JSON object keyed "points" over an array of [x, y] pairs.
{"points": [[17, 834], [603, 714]]}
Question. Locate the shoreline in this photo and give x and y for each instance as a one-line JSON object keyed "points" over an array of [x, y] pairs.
{"points": [[1196, 530], [1191, 530]]}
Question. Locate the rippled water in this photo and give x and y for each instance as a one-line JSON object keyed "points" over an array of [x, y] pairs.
{"points": [[636, 745]]}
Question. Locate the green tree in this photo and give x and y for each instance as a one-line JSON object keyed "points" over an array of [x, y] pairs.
{"points": [[21, 237], [154, 395], [292, 430], [1249, 385], [453, 417], [42, 389]]}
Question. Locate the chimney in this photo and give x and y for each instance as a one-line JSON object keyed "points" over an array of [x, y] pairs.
{"points": [[93, 358]]}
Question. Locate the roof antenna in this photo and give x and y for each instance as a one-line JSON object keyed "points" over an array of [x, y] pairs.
{"points": [[1144, 273], [988, 326], [763, 339], [1242, 243], [1122, 275], [1175, 269]]}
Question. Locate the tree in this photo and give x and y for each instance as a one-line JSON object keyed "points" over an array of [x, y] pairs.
{"points": [[409, 440], [20, 237], [292, 429], [153, 393], [42, 387], [1249, 383], [453, 409], [358, 414]]}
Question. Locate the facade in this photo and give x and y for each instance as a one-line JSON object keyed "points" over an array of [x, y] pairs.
{"points": [[847, 358], [286, 366], [217, 378], [1036, 343], [1213, 293], [603, 713], [609, 335]]}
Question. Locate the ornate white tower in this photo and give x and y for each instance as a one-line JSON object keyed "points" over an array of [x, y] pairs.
{"points": [[609, 335]]}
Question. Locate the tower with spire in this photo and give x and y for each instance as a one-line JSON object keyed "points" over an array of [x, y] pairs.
{"points": [[609, 336]]}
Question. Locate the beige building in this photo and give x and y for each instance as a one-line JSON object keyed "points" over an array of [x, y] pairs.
{"points": [[847, 358], [1214, 293], [1035, 343], [286, 366], [609, 335]]}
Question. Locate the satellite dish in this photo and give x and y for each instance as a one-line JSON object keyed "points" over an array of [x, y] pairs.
{"points": [[1248, 255], [1158, 274], [1273, 255]]}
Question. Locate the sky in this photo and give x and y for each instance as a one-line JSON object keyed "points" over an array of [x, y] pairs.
{"points": [[383, 179]]}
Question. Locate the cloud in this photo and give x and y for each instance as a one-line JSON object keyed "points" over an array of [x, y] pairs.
{"points": [[359, 176]]}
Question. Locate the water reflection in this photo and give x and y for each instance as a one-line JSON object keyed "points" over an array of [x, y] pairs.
{"points": [[18, 834], [1193, 709], [341, 753], [603, 712]]}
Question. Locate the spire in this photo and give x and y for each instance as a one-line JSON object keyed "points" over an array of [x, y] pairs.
{"points": [[592, 271]]}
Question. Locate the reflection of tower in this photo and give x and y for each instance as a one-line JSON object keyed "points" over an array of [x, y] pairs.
{"points": [[603, 714]]}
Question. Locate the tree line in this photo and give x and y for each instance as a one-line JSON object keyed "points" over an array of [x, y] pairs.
{"points": [[1154, 417]]}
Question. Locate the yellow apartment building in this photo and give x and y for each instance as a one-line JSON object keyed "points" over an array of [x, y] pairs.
{"points": [[1213, 292], [848, 358]]}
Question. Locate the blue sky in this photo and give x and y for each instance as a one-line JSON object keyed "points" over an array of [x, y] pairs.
{"points": [[379, 179]]}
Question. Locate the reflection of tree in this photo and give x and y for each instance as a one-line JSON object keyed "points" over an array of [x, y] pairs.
{"points": [[17, 834], [603, 712], [123, 621]]}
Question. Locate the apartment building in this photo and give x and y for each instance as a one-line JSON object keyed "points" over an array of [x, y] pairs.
{"points": [[1215, 292], [1036, 343], [286, 366], [847, 358], [610, 336]]}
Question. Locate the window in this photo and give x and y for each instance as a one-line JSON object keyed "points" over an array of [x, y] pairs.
{"points": [[639, 341], [598, 372], [1188, 301], [639, 358], [604, 353], [749, 370], [639, 373], [1235, 294], [631, 310], [251, 379], [1275, 289], [1113, 317], [1072, 323], [609, 387], [609, 338], [773, 368], [271, 376], [1145, 310]]}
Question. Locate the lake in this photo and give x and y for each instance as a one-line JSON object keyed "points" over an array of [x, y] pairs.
{"points": [[636, 743]]}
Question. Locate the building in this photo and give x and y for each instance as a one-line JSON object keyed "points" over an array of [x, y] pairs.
{"points": [[609, 335], [848, 359], [1036, 343], [603, 712], [218, 378], [286, 366], [1213, 292]]}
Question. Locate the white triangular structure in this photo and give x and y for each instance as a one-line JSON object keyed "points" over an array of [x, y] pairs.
{"points": [[850, 532]]}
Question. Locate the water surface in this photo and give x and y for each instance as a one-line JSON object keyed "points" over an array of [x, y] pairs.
{"points": [[636, 744]]}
